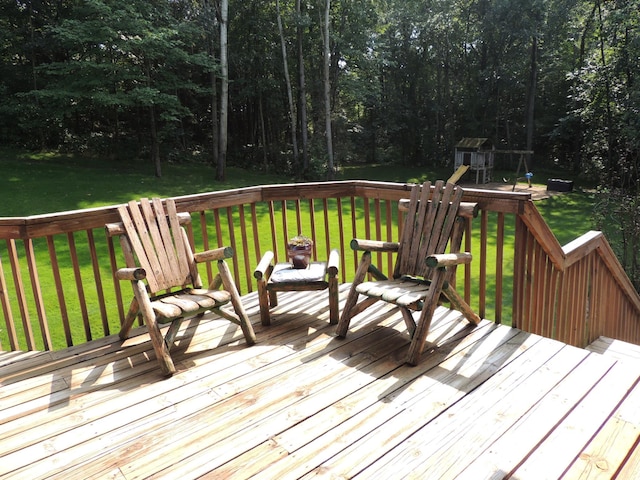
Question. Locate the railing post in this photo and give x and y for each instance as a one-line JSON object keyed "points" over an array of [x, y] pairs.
{"points": [[519, 268]]}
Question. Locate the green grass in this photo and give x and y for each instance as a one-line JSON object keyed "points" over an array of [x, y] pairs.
{"points": [[45, 183], [568, 215]]}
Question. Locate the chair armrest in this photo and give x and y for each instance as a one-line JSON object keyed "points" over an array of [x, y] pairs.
{"points": [[333, 264], [215, 254], [264, 267], [131, 274], [374, 245], [448, 259]]}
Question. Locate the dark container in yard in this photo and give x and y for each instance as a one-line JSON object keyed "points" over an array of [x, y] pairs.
{"points": [[558, 185]]}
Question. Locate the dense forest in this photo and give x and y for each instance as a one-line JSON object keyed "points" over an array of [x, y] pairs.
{"points": [[304, 86]]}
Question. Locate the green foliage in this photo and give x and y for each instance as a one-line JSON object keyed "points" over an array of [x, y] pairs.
{"points": [[409, 78], [605, 94], [617, 214]]}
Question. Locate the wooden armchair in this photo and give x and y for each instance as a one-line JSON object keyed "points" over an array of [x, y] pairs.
{"points": [[435, 218], [162, 269]]}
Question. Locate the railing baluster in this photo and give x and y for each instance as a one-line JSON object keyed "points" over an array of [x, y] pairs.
{"points": [[467, 267], [218, 225], [37, 293], [312, 224], [256, 237], [274, 235], [73, 252], [378, 227], [6, 310], [343, 246], [55, 268], [519, 262], [245, 248], [354, 233], [299, 227], [285, 223], [116, 283], [327, 229], [20, 292], [389, 233], [97, 278], [499, 268], [484, 224]]}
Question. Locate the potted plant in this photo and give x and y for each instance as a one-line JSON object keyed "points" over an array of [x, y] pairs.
{"points": [[299, 251]]}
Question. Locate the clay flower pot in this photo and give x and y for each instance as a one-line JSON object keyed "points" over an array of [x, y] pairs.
{"points": [[299, 251]]}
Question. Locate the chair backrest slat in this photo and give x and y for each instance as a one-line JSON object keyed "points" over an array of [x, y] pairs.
{"points": [[157, 226], [429, 222], [406, 238], [184, 255], [157, 243]]}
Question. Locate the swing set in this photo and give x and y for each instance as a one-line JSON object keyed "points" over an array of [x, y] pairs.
{"points": [[522, 161]]}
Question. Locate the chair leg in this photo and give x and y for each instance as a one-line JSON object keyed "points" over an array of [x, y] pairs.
{"points": [[230, 286], [132, 314], [352, 298], [273, 298], [159, 345], [422, 329], [172, 331], [410, 323], [458, 303], [263, 300], [333, 300]]}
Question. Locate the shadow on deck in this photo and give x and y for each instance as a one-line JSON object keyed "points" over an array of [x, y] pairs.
{"points": [[485, 402]]}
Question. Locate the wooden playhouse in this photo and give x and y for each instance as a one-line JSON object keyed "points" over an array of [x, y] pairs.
{"points": [[478, 154]]}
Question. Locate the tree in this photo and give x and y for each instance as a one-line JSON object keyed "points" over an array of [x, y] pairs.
{"points": [[302, 87], [327, 89], [224, 94], [285, 64]]}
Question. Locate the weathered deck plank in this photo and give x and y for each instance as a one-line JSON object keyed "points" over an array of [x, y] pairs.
{"points": [[606, 453], [615, 349], [485, 402], [516, 441], [572, 435]]}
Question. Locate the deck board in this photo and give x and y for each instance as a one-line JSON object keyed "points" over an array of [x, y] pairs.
{"points": [[484, 402]]}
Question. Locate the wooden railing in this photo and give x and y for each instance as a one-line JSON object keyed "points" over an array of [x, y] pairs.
{"points": [[56, 271], [574, 293]]}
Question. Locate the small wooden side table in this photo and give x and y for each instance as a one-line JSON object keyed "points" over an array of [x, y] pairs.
{"points": [[282, 277]]}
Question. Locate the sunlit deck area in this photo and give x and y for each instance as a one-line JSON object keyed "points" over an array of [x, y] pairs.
{"points": [[485, 402]]}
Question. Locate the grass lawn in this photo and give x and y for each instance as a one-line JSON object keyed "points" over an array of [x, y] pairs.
{"points": [[45, 183]]}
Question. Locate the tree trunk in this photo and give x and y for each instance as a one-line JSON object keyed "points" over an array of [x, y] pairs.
{"points": [[210, 7], [153, 129], [533, 79], [34, 71], [215, 129], [224, 90], [263, 133], [327, 92], [302, 89], [611, 164], [155, 144], [292, 111]]}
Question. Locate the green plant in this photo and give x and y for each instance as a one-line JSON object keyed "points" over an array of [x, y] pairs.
{"points": [[300, 241]]}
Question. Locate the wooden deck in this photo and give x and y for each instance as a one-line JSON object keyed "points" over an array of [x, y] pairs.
{"points": [[487, 402]]}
